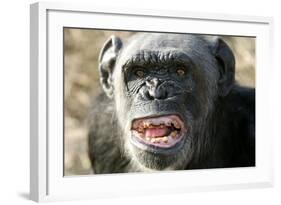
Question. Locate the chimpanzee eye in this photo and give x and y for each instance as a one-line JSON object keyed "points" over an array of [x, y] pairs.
{"points": [[139, 73], [180, 71]]}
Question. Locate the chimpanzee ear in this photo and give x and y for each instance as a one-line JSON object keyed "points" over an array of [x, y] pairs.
{"points": [[226, 62], [107, 60]]}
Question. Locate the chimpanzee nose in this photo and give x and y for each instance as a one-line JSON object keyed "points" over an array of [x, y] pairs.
{"points": [[155, 90]]}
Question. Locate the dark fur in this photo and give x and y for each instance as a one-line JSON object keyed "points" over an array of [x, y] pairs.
{"points": [[224, 138]]}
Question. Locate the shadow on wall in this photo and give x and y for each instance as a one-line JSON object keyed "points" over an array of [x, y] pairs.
{"points": [[81, 51]]}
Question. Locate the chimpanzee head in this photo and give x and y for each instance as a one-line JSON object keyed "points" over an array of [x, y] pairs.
{"points": [[165, 88]]}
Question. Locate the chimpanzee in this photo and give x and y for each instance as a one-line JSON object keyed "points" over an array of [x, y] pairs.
{"points": [[170, 102]]}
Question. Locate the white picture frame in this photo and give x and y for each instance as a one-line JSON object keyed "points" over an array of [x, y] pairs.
{"points": [[47, 182]]}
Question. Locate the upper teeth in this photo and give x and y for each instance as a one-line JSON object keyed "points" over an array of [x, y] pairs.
{"points": [[176, 125], [149, 124], [140, 129]]}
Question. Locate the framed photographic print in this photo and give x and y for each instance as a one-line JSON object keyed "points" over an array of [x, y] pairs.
{"points": [[169, 101]]}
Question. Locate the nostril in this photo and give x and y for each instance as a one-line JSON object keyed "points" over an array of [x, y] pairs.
{"points": [[161, 93], [156, 93], [148, 95], [152, 83], [155, 90]]}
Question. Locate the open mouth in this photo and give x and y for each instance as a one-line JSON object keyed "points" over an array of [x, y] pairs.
{"points": [[160, 132]]}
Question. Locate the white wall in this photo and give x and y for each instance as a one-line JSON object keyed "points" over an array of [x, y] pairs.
{"points": [[14, 100]]}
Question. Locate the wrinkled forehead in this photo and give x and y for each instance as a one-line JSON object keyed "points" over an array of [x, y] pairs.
{"points": [[163, 45]]}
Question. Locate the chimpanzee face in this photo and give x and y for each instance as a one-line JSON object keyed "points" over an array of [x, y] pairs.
{"points": [[164, 87]]}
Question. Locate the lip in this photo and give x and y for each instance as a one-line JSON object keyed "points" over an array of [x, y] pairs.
{"points": [[148, 125]]}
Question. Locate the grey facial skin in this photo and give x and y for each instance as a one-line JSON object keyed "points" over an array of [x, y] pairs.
{"points": [[186, 82]]}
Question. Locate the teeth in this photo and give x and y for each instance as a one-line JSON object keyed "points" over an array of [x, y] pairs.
{"points": [[140, 129], [157, 140], [176, 125], [161, 124], [165, 139], [174, 134]]}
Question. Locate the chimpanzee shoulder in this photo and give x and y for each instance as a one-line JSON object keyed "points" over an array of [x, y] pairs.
{"points": [[239, 117], [104, 147], [231, 138]]}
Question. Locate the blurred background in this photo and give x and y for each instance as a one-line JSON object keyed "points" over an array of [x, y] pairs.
{"points": [[81, 80]]}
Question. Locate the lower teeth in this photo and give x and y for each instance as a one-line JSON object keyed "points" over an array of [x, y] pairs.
{"points": [[159, 139], [164, 139]]}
